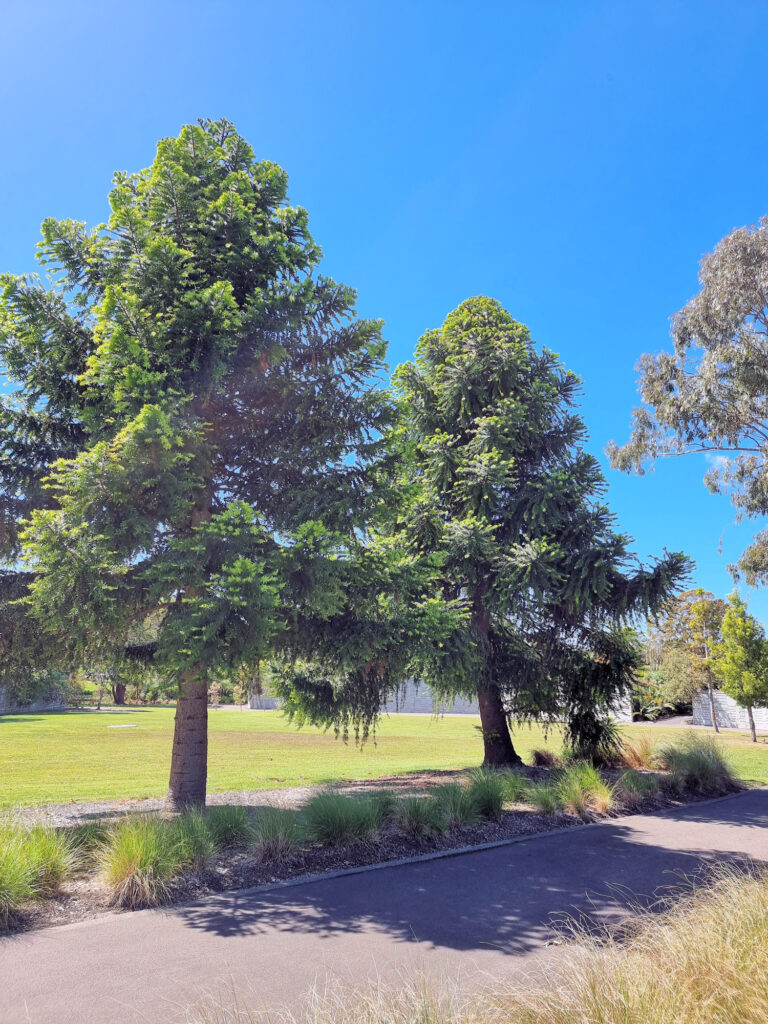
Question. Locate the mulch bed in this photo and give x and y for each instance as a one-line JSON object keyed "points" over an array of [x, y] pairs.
{"points": [[82, 897]]}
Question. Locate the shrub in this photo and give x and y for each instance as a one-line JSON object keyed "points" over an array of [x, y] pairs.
{"points": [[544, 797], [487, 790], [419, 816], [639, 752], [333, 819], [194, 842], [543, 758], [138, 858], [696, 763], [229, 827], [457, 804], [275, 834]]}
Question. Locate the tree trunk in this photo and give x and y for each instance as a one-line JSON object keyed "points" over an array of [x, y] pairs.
{"points": [[751, 717], [499, 750], [712, 707], [255, 691], [118, 693], [189, 760]]}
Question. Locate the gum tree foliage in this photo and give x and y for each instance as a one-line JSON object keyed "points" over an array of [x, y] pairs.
{"points": [[710, 394], [741, 659], [686, 634], [496, 486], [189, 436]]}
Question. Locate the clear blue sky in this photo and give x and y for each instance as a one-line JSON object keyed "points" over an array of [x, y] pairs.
{"points": [[572, 159]]}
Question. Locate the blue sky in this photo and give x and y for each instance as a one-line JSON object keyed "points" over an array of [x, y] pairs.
{"points": [[572, 159]]}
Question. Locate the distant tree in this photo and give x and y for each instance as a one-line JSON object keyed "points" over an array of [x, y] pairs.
{"points": [[188, 438], [496, 487], [710, 394], [741, 659], [687, 632]]}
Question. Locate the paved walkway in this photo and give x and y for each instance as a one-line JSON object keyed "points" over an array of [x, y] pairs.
{"points": [[483, 914]]}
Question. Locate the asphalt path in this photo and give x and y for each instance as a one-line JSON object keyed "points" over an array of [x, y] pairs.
{"points": [[481, 915]]}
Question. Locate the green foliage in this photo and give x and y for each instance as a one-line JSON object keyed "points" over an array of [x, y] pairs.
{"points": [[229, 827], [276, 834], [696, 764], [193, 839], [138, 859], [487, 790], [496, 487], [545, 798], [34, 861], [581, 790], [336, 820], [741, 658], [457, 804], [421, 816]]}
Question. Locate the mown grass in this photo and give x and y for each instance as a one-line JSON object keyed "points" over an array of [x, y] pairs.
{"points": [[703, 961], [58, 757]]}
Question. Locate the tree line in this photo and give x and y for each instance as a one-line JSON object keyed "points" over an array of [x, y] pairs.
{"points": [[204, 471]]}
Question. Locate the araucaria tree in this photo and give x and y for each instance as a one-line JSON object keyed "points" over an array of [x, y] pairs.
{"points": [[498, 488], [193, 415], [710, 394], [741, 659]]}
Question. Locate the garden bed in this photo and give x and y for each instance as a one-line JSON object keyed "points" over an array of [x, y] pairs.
{"points": [[255, 843]]}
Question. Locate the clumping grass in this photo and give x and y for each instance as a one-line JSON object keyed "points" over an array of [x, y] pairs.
{"points": [[639, 751], [194, 842], [420, 816], [583, 791], [488, 790], [34, 861], [696, 763], [138, 859], [515, 787], [544, 797], [334, 820], [703, 961], [276, 834], [229, 827], [457, 804], [386, 803], [633, 787], [543, 758]]}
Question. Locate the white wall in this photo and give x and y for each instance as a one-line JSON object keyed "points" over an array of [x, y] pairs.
{"points": [[729, 714]]}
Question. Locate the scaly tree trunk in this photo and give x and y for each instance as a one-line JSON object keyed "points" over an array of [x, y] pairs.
{"points": [[189, 760], [712, 706], [497, 741], [751, 717], [118, 693]]}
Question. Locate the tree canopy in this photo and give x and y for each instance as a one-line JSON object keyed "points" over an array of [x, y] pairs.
{"points": [[741, 658], [194, 413], [497, 486], [710, 394]]}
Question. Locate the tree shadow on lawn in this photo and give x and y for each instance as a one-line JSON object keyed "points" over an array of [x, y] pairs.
{"points": [[511, 899]]}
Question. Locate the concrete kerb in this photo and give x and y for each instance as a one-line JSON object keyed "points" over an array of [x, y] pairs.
{"points": [[459, 851]]}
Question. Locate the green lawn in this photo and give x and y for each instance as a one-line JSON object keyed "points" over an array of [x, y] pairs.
{"points": [[74, 755]]}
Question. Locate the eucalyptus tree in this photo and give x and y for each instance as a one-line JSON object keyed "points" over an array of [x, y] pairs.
{"points": [[189, 435], [497, 486], [709, 395]]}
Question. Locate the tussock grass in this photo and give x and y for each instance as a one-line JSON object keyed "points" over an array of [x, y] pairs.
{"points": [[457, 804], [276, 834], [488, 790], [639, 752], [703, 961], [515, 787], [543, 758], [138, 859], [633, 787], [581, 790], [697, 764], [229, 827], [420, 816], [545, 797], [193, 841], [335, 820], [34, 861]]}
